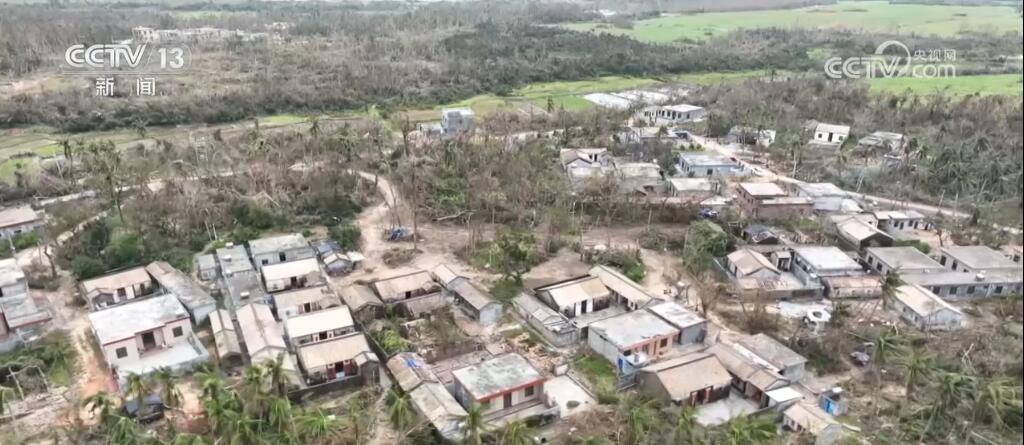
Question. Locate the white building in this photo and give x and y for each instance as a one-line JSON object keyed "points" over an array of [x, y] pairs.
{"points": [[303, 301], [900, 259], [292, 275], [809, 419], [976, 259], [280, 249], [924, 310], [457, 120], [264, 338], [319, 326], [117, 287], [702, 164], [672, 114], [829, 134]]}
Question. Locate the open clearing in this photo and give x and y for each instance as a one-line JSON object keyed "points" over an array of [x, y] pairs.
{"points": [[879, 17], [1006, 84]]}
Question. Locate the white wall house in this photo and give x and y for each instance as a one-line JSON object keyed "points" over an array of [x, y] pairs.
{"points": [[924, 310], [292, 275], [501, 383], [280, 249]]}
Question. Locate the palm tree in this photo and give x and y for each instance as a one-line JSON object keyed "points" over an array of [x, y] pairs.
{"points": [[916, 366], [746, 430], [640, 419], [169, 393], [277, 377], [318, 425], [953, 388], [280, 413], [138, 388], [356, 418], [683, 431], [473, 426], [997, 400], [124, 431], [399, 411], [890, 284], [253, 389], [101, 403], [515, 433], [213, 386]]}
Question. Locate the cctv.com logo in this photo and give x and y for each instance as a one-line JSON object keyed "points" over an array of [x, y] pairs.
{"points": [[899, 62], [122, 58]]}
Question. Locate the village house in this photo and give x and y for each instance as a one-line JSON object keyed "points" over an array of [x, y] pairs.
{"points": [[828, 198], [809, 419], [457, 120], [364, 304], [1014, 253], [692, 328], [19, 314], [658, 115], [146, 335], [225, 338], [754, 380], [117, 287], [239, 283], [904, 259], [854, 286], [813, 263], [338, 359], [759, 234], [478, 304], [975, 259], [319, 326], [292, 275], [969, 285], [640, 177], [692, 189], [787, 362], [631, 340], [551, 324], [279, 249], [18, 220], [196, 300], [767, 275], [427, 394], [858, 235], [263, 339], [691, 380], [414, 292], [303, 301], [924, 310], [901, 221], [576, 296], [828, 135], [584, 157], [625, 292], [745, 263], [701, 164], [766, 200], [884, 144], [205, 267], [651, 136], [500, 385]]}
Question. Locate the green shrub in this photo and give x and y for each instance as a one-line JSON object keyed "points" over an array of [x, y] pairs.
{"points": [[25, 240], [346, 234], [87, 267]]}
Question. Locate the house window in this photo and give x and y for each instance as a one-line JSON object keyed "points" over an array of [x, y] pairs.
{"points": [[177, 331], [528, 392], [121, 352], [999, 290], [970, 290], [282, 257], [264, 261], [664, 342]]}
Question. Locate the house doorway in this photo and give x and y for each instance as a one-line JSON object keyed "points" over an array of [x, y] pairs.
{"points": [[148, 341], [507, 401]]}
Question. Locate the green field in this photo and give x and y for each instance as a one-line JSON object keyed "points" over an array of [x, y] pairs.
{"points": [[866, 16], [1007, 84]]}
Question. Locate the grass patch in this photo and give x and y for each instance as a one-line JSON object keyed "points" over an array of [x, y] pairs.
{"points": [[872, 17], [505, 290], [1000, 84], [600, 374]]}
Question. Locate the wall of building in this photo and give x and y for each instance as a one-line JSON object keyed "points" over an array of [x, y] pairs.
{"points": [[19, 288], [307, 280], [497, 403], [11, 231], [307, 339], [267, 259], [779, 211]]}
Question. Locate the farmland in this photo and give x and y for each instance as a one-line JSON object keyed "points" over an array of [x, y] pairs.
{"points": [[880, 17], [1006, 84]]}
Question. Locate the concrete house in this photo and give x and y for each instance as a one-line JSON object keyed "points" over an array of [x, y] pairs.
{"points": [[692, 328], [304, 300], [883, 144], [225, 338], [829, 134], [967, 285], [691, 380], [625, 292], [703, 164], [117, 287], [196, 300], [859, 235], [766, 200], [263, 338], [788, 363], [19, 314], [280, 249], [975, 259], [752, 378], [809, 419], [576, 296], [750, 136], [904, 259], [428, 395], [672, 114], [924, 310], [815, 262], [584, 157], [240, 283], [145, 335], [319, 326], [205, 267], [631, 340], [828, 198], [17, 220], [745, 263], [475, 302], [364, 304], [339, 358], [414, 292], [457, 120], [551, 324], [694, 189], [900, 221], [292, 275], [504, 383]]}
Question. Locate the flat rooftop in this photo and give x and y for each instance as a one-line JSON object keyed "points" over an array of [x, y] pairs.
{"points": [[979, 257], [497, 375], [904, 258], [141, 315], [704, 158], [763, 189], [233, 260], [676, 315], [821, 189], [627, 330], [769, 349], [278, 243], [826, 258]]}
